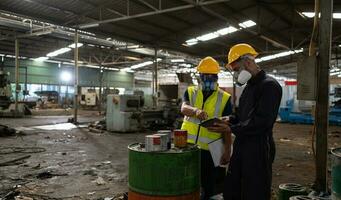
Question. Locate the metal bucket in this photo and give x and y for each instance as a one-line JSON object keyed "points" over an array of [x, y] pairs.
{"points": [[288, 190], [336, 174]]}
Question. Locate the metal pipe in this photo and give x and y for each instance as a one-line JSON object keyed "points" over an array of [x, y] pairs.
{"points": [[75, 103], [17, 89], [322, 102]]}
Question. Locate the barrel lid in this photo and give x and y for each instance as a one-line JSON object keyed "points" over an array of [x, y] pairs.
{"points": [[292, 187], [337, 152], [137, 147], [302, 198]]}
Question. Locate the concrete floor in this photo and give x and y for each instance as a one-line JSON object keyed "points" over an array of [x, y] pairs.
{"points": [[87, 165]]}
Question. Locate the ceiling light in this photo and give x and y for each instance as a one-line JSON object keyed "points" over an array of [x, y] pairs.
{"points": [[141, 65], [127, 69], [59, 51], [88, 26], [208, 36], [227, 30], [191, 42], [312, 14], [247, 24], [177, 60], [41, 59], [278, 55], [73, 45]]}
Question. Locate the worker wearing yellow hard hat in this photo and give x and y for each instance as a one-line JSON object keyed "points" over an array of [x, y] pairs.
{"points": [[254, 148], [200, 103]]}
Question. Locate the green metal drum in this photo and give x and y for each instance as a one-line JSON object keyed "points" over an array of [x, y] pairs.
{"points": [[169, 173], [336, 174], [288, 190]]}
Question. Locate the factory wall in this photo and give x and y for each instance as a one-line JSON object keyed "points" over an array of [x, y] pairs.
{"points": [[49, 74]]}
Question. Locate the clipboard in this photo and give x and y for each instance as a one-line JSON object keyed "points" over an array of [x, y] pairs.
{"points": [[209, 122]]}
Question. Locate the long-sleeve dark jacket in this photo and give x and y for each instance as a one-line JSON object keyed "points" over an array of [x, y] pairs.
{"points": [[258, 108]]}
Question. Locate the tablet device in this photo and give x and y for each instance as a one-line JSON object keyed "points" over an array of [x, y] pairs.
{"points": [[209, 122]]}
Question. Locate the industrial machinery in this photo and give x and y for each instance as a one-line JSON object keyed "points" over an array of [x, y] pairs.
{"points": [[7, 107], [293, 112], [89, 98], [5, 90], [125, 113]]}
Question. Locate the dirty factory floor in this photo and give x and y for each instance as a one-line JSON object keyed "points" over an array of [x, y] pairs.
{"points": [[61, 161]]}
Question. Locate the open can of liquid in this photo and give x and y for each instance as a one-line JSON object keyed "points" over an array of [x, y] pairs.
{"points": [[180, 138], [153, 143], [169, 134]]}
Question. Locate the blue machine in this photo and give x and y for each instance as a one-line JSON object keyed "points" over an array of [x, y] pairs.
{"points": [[287, 115]]}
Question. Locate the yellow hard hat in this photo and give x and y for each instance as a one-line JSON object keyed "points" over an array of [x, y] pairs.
{"points": [[208, 65], [239, 50]]}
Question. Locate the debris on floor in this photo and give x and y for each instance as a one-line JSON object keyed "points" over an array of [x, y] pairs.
{"points": [[6, 131], [98, 126]]}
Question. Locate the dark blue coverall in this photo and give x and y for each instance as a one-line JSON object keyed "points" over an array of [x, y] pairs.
{"points": [[250, 169]]}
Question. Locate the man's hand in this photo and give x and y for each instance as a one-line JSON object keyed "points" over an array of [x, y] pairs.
{"points": [[221, 127], [225, 158], [200, 114]]}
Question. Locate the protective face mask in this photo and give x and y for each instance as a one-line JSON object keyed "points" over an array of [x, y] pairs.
{"points": [[243, 77], [208, 85]]}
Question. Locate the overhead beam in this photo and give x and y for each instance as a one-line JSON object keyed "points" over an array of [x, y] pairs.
{"points": [[159, 11]]}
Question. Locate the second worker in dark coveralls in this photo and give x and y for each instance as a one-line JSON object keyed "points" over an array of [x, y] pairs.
{"points": [[250, 169]]}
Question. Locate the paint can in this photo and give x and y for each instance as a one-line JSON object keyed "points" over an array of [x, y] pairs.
{"points": [[180, 138], [169, 133], [163, 141], [152, 143]]}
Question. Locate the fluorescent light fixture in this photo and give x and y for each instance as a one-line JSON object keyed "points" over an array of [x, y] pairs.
{"points": [[141, 65], [337, 15], [312, 14], [65, 76], [227, 30], [191, 42], [132, 58], [334, 73], [41, 59], [335, 70], [113, 69], [59, 51], [88, 26], [177, 60], [218, 33], [278, 55], [185, 65], [339, 75], [127, 69], [247, 24], [74, 45], [208, 36]]}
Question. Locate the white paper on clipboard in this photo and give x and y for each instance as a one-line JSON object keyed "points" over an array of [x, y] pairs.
{"points": [[216, 149]]}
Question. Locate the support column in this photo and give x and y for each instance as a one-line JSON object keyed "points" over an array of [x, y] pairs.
{"points": [[322, 101], [155, 92], [17, 86], [75, 101], [100, 89]]}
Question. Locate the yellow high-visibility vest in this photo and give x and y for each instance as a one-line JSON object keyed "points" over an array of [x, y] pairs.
{"points": [[213, 106]]}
